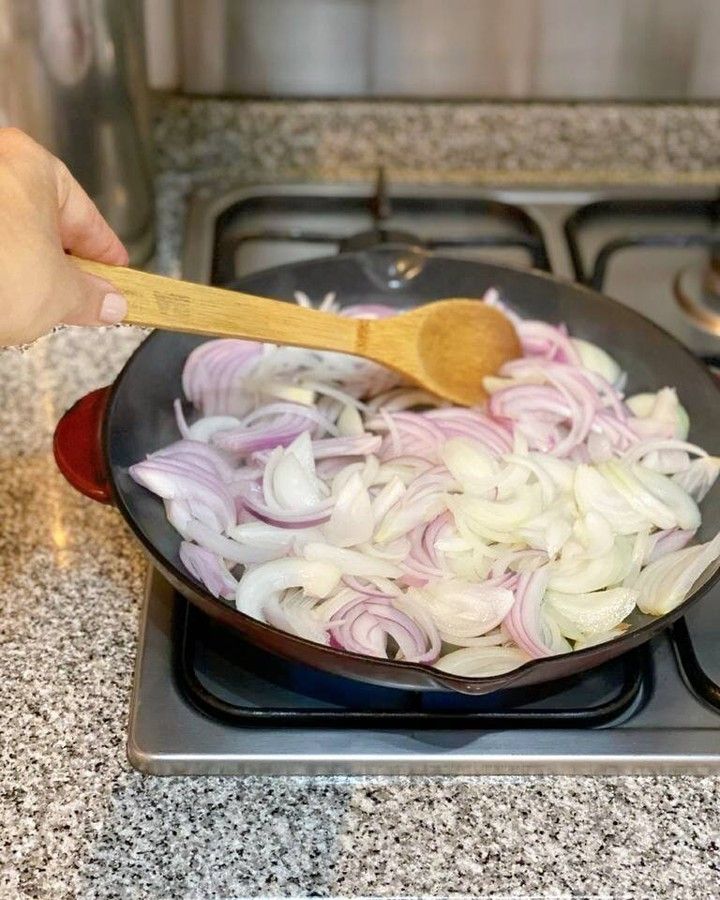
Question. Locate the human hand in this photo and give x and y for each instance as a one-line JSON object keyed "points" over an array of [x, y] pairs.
{"points": [[43, 213]]}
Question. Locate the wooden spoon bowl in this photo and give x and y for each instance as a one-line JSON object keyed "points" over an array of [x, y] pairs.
{"points": [[446, 347]]}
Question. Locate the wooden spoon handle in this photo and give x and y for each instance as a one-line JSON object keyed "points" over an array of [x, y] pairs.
{"points": [[160, 302]]}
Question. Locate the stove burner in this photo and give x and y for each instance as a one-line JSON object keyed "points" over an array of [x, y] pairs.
{"points": [[269, 225], [693, 666], [229, 679], [594, 272], [697, 292]]}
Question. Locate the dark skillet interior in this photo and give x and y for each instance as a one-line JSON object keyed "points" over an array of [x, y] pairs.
{"points": [[140, 420]]}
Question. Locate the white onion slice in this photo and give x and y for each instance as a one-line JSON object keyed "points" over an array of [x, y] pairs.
{"points": [[463, 611], [260, 585], [665, 583], [594, 612], [595, 493], [351, 562], [205, 428], [482, 662], [699, 477], [596, 360], [351, 521], [578, 575]]}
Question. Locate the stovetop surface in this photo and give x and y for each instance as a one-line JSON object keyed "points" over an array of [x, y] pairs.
{"points": [[660, 724], [206, 702]]}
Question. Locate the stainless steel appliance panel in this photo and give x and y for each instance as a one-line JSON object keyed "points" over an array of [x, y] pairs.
{"points": [[525, 49]]}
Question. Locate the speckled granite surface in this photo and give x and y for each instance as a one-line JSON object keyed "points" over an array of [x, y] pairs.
{"points": [[76, 821], [467, 142]]}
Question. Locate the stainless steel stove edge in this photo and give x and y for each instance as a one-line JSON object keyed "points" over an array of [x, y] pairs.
{"points": [[421, 766], [163, 720]]}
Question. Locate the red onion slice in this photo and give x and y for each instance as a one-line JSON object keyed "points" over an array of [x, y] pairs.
{"points": [[209, 570]]}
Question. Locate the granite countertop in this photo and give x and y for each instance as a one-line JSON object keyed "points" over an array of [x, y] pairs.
{"points": [[77, 821]]}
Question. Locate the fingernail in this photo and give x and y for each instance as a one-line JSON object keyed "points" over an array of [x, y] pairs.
{"points": [[113, 309]]}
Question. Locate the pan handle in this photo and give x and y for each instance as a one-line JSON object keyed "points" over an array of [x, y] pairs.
{"points": [[77, 446]]}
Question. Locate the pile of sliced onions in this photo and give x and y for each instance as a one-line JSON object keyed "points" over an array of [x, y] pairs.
{"points": [[322, 496]]}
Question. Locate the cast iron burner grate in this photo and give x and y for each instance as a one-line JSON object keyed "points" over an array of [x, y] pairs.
{"points": [[592, 270], [231, 680], [325, 223]]}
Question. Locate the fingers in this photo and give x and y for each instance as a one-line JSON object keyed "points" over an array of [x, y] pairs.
{"points": [[34, 300], [89, 300], [76, 298], [83, 231]]}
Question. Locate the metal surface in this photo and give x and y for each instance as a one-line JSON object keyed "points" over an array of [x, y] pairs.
{"points": [[639, 49], [71, 75], [673, 732]]}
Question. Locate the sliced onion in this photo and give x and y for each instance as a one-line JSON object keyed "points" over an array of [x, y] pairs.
{"points": [[297, 614], [205, 428], [660, 414], [663, 542], [350, 423], [263, 584], [173, 479], [359, 445], [229, 549], [408, 514], [669, 456], [699, 477], [463, 611], [595, 493], [392, 492], [351, 562], [592, 613], [524, 622], [580, 575], [665, 583], [351, 521], [596, 360], [373, 586], [209, 569], [482, 662], [201, 456], [653, 496], [255, 505], [364, 625], [261, 535], [498, 520], [547, 341], [471, 465], [291, 486], [214, 373], [592, 640]]}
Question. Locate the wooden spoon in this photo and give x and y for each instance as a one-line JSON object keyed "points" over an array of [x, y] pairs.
{"points": [[446, 347]]}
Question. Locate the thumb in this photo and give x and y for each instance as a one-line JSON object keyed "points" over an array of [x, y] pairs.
{"points": [[89, 300]]}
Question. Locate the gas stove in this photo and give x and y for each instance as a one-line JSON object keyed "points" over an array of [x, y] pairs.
{"points": [[206, 702]]}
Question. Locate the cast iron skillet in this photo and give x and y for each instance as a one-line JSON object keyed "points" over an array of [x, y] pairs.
{"points": [[136, 418]]}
